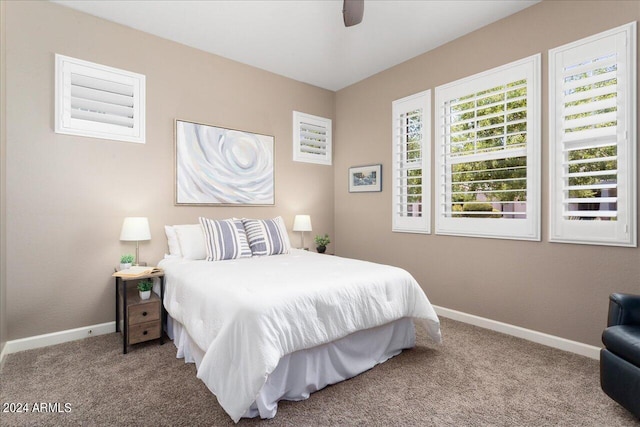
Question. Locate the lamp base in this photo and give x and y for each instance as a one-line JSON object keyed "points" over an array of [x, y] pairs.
{"points": [[302, 241]]}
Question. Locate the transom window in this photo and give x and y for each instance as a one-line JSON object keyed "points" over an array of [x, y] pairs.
{"points": [[98, 101]]}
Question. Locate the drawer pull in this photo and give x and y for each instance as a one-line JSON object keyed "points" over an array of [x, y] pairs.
{"points": [[144, 313], [144, 333]]}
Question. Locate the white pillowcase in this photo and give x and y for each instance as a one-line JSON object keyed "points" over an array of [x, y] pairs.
{"points": [[172, 241], [188, 240], [191, 239]]}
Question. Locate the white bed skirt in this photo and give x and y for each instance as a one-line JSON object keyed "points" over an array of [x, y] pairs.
{"points": [[301, 373]]}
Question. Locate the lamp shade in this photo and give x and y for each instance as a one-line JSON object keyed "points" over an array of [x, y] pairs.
{"points": [[302, 223], [135, 229]]}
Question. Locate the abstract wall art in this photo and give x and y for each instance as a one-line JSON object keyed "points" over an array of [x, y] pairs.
{"points": [[219, 166]]}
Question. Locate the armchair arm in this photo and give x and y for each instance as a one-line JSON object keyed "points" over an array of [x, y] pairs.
{"points": [[624, 309]]}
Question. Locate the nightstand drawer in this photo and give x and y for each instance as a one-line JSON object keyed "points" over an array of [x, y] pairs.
{"points": [[144, 332], [139, 320], [147, 312]]}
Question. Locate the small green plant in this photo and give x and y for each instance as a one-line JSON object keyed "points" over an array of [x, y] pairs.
{"points": [[322, 240], [126, 259], [145, 285]]}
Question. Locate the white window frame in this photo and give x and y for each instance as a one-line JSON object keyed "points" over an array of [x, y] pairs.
{"points": [[622, 231], [321, 124], [122, 122], [502, 228], [402, 222]]}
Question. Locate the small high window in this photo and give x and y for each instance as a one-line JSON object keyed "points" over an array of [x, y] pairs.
{"points": [[98, 101], [311, 139]]}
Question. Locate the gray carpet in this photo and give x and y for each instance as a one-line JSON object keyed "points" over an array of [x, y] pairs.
{"points": [[476, 378]]}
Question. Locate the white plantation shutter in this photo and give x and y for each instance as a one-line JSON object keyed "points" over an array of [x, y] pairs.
{"points": [[99, 101], [592, 116], [486, 136], [311, 139], [487, 156], [411, 131]]}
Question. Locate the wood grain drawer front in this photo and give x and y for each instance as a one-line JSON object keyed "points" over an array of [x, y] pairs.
{"points": [[141, 313], [144, 332]]}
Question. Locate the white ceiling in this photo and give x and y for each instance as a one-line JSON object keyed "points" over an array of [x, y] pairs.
{"points": [[306, 40]]}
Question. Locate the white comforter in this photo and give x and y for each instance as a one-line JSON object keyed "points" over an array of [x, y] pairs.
{"points": [[248, 313]]}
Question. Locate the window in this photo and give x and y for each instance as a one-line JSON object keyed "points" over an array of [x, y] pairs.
{"points": [[98, 101], [592, 138], [411, 159], [488, 153], [311, 139]]}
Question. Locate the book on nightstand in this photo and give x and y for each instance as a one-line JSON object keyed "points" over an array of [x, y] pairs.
{"points": [[137, 271]]}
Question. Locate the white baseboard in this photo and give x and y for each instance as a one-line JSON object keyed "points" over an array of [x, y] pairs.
{"points": [[527, 334], [505, 328], [3, 353], [56, 338]]}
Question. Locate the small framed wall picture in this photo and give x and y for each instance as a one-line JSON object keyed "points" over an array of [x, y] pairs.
{"points": [[364, 179]]}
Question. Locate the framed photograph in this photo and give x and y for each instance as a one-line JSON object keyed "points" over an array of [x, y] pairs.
{"points": [[365, 179], [219, 166]]}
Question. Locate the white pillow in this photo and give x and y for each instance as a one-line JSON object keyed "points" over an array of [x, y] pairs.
{"points": [[191, 238], [172, 241]]}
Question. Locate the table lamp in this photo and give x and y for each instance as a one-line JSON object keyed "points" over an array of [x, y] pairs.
{"points": [[135, 229], [302, 223]]}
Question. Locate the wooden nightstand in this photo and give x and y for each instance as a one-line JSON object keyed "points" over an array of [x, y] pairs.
{"points": [[139, 320]]}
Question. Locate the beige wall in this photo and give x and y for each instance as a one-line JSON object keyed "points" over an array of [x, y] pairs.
{"points": [[560, 289], [67, 196], [3, 140]]}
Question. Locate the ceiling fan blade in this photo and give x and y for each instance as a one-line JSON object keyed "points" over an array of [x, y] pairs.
{"points": [[352, 11]]}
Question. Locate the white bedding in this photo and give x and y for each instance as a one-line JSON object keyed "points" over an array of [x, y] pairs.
{"points": [[305, 371], [248, 313]]}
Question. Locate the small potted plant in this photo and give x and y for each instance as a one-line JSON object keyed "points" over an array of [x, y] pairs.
{"points": [[322, 242], [125, 261], [144, 288]]}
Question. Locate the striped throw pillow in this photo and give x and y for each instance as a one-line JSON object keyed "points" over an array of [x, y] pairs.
{"points": [[225, 239], [267, 236]]}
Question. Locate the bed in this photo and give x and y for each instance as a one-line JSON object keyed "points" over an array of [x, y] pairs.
{"points": [[265, 328]]}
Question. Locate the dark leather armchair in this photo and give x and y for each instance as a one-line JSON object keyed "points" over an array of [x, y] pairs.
{"points": [[620, 359]]}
